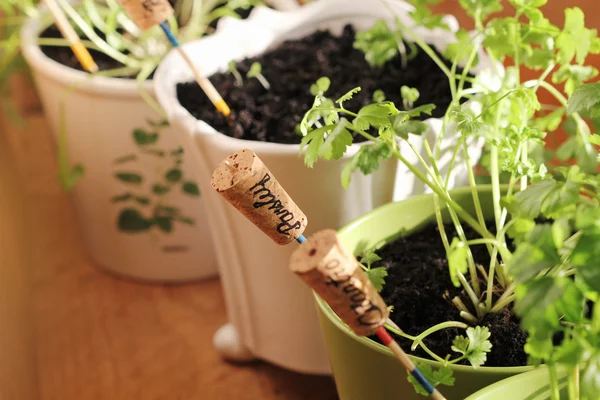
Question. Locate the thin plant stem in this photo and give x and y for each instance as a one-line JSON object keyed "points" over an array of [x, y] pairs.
{"points": [[554, 389], [436, 328], [470, 292]]}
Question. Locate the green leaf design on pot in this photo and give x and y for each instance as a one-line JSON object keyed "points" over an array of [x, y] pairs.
{"points": [[174, 175], [130, 220], [125, 159], [122, 197], [177, 152], [143, 200], [143, 138], [129, 177], [160, 189], [191, 188], [187, 220], [158, 153], [164, 223]]}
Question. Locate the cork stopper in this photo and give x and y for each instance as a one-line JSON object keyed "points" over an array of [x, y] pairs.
{"points": [[246, 183], [336, 276], [147, 13]]}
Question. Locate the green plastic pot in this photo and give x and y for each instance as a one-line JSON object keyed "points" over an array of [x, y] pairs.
{"points": [[533, 385], [366, 370]]}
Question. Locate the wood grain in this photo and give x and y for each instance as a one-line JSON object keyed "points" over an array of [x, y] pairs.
{"points": [[98, 337]]}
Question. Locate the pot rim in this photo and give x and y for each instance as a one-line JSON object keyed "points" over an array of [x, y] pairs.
{"points": [[67, 76], [333, 318], [313, 13], [518, 380]]}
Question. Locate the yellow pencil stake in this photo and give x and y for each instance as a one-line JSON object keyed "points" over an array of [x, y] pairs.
{"points": [[80, 51]]}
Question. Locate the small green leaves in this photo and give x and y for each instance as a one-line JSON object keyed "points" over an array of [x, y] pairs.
{"points": [[320, 86], [122, 197], [231, 66], [129, 177], [409, 96], [374, 115], [475, 347], [337, 142], [191, 188], [143, 138], [347, 96], [367, 160], [125, 159], [165, 224], [378, 96], [590, 380], [403, 129], [130, 220], [255, 70], [459, 52], [443, 376], [466, 122], [585, 98], [457, 260], [575, 41], [173, 175], [378, 43], [480, 9], [159, 189], [375, 275]]}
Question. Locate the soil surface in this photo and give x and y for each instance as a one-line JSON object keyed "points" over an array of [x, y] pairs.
{"points": [[418, 285], [272, 115]]}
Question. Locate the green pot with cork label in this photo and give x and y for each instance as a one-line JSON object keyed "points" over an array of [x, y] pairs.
{"points": [[366, 370]]}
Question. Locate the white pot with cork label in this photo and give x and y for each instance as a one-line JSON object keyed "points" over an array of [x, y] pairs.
{"points": [[138, 205], [271, 313]]}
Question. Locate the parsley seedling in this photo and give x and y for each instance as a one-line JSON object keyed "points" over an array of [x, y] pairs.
{"points": [[543, 243], [236, 74], [256, 72]]}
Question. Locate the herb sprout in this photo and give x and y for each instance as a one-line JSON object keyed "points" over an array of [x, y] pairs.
{"points": [[256, 72], [549, 210], [236, 74]]}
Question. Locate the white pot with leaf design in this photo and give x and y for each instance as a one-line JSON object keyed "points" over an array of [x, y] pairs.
{"points": [[138, 205], [272, 313]]}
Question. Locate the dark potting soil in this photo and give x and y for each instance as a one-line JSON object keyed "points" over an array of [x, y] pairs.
{"points": [[418, 285], [272, 115]]}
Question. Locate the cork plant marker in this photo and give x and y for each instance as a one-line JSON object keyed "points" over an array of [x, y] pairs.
{"points": [[149, 13], [321, 261], [247, 184], [81, 53], [335, 275]]}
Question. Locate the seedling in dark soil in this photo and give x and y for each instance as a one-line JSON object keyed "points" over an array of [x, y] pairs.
{"points": [[256, 72]]}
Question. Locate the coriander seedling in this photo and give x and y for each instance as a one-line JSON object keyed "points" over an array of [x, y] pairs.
{"points": [[256, 72], [409, 96], [238, 77]]}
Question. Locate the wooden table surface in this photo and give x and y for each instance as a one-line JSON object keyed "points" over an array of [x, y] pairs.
{"points": [[98, 337]]}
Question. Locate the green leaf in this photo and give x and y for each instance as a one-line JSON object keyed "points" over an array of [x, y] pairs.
{"points": [[348, 95], [460, 344], [367, 159], [143, 200], [337, 142], [121, 198], [130, 220], [561, 230], [375, 115], [378, 96], [457, 260], [143, 138], [129, 177], [590, 378], [377, 277], [160, 189], [312, 144], [585, 98], [165, 224], [573, 76], [378, 43], [575, 39], [535, 255], [520, 228], [403, 129], [479, 345], [125, 159], [191, 188], [255, 70], [459, 51], [442, 376], [587, 250], [409, 95], [174, 175], [154, 152], [480, 8], [466, 122], [320, 86], [186, 220], [551, 121]]}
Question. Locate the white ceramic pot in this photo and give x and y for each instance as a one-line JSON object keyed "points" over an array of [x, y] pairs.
{"points": [[101, 115], [271, 311]]}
